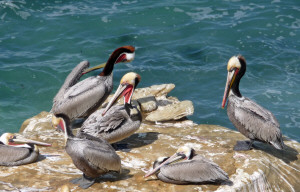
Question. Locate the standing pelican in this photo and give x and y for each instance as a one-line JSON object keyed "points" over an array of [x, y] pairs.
{"points": [[186, 167], [120, 121], [252, 120], [80, 99], [93, 156], [16, 150]]}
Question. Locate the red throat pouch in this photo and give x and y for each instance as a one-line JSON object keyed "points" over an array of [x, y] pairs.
{"points": [[127, 93]]}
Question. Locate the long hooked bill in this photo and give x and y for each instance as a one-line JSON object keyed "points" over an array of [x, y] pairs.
{"points": [[116, 96], [20, 140], [230, 79], [102, 65], [173, 158]]}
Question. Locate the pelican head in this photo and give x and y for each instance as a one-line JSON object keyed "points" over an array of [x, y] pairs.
{"points": [[60, 122], [236, 68], [127, 54], [183, 153], [18, 141], [120, 55], [126, 88]]}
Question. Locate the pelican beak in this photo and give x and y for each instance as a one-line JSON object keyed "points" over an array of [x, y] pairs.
{"points": [[230, 79], [125, 90], [20, 140], [94, 68], [173, 158]]}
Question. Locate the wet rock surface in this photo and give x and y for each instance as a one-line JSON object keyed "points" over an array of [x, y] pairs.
{"points": [[261, 169]]}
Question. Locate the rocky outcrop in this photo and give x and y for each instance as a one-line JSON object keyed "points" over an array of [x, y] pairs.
{"points": [[156, 106], [261, 169], [171, 112]]}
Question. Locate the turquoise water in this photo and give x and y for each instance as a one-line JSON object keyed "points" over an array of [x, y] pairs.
{"points": [[187, 43]]}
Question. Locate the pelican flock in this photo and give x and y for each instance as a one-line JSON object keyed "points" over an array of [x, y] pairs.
{"points": [[80, 99], [16, 150], [90, 149], [251, 119], [117, 122]]}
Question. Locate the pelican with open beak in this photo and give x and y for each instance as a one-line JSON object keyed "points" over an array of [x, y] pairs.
{"points": [[16, 150], [79, 99], [251, 119], [126, 88], [116, 122], [186, 167]]}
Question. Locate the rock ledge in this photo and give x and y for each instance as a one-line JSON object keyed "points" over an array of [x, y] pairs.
{"points": [[261, 169]]}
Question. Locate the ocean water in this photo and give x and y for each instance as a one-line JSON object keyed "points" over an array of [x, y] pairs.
{"points": [[187, 43]]}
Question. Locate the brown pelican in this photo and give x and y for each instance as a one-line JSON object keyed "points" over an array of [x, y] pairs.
{"points": [[16, 150], [93, 156], [120, 121], [186, 167], [80, 99], [252, 120]]}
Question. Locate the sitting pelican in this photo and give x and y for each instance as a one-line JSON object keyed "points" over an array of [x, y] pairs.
{"points": [[93, 156], [120, 121], [252, 120], [16, 150], [80, 99], [186, 167]]}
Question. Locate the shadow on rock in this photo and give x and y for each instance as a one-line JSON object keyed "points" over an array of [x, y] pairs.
{"points": [[288, 154], [112, 177], [229, 183], [136, 140], [42, 157]]}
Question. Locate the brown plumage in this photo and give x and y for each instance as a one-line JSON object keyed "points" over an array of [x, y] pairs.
{"points": [[186, 167], [252, 120], [115, 123], [93, 156], [80, 99], [17, 150]]}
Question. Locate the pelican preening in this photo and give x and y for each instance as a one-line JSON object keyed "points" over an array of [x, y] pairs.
{"points": [[80, 99], [117, 122], [93, 156], [16, 150], [252, 120], [186, 167]]}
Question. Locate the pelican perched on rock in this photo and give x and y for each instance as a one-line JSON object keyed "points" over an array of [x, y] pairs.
{"points": [[93, 156], [120, 121], [252, 120], [16, 150], [186, 167], [80, 99]]}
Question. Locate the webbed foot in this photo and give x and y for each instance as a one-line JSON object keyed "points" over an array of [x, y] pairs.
{"points": [[84, 181]]}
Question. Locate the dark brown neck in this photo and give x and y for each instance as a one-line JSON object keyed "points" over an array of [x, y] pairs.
{"points": [[112, 60], [67, 122], [235, 87]]}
